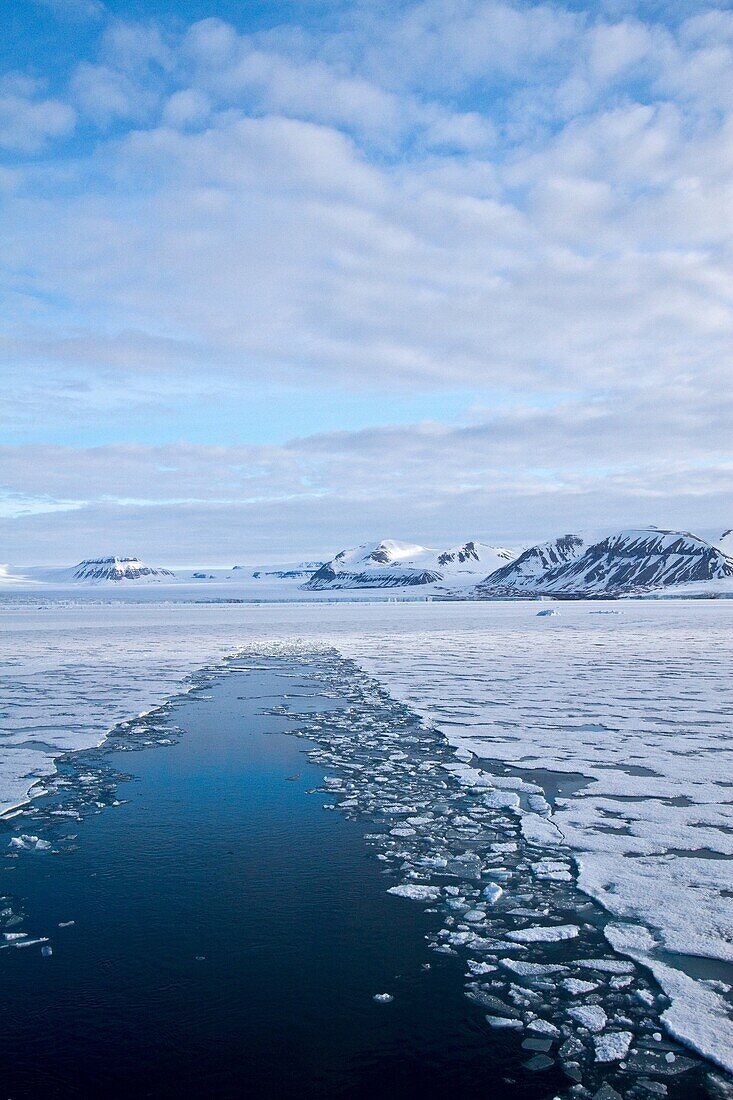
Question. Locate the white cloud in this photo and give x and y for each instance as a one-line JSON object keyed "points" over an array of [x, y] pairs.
{"points": [[453, 193], [29, 123]]}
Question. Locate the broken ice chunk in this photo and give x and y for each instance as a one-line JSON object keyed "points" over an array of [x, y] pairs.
{"points": [[613, 1046], [492, 892], [383, 998], [607, 966], [505, 1022], [28, 843], [541, 1046], [416, 892], [538, 1063], [576, 986], [531, 970], [542, 934], [591, 1016], [502, 800], [543, 1027]]}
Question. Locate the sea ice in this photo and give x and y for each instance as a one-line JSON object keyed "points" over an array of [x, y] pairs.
{"points": [[504, 1022], [612, 1046], [576, 986], [591, 1016], [545, 934], [415, 892]]}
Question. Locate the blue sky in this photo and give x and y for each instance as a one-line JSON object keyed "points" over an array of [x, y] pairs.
{"points": [[280, 278]]}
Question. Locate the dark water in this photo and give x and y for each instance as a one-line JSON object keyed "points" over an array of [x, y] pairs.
{"points": [[219, 855]]}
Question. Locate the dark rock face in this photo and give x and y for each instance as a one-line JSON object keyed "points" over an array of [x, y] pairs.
{"points": [[466, 553]]}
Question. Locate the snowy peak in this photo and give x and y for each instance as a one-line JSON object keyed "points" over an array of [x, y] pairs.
{"points": [[467, 553], [116, 569], [392, 564], [636, 560], [641, 560], [523, 573], [386, 552], [96, 571]]}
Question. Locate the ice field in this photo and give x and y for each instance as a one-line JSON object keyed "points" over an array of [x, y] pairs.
{"points": [[614, 716]]}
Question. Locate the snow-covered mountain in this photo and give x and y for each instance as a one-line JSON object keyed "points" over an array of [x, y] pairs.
{"points": [[90, 571], [113, 570], [522, 574], [626, 562], [392, 564]]}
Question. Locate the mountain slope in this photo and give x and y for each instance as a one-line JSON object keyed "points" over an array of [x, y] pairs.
{"points": [[93, 571], [638, 561], [392, 564], [522, 574]]}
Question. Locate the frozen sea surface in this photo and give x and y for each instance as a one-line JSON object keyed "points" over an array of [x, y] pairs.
{"points": [[640, 703], [634, 708]]}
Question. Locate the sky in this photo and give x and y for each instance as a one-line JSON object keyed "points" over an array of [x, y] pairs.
{"points": [[281, 278]]}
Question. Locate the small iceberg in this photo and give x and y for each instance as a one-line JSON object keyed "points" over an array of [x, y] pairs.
{"points": [[546, 614]]}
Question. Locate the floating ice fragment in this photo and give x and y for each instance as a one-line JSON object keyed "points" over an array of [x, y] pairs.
{"points": [[576, 986], [550, 870], [28, 843], [492, 892], [502, 800], [573, 1071], [549, 613], [653, 1061], [494, 1004], [415, 892], [591, 1016], [541, 1046], [540, 934], [607, 966], [46, 950], [383, 998], [476, 968], [613, 1046], [606, 1092], [538, 1063], [543, 1027], [504, 1022], [531, 970]]}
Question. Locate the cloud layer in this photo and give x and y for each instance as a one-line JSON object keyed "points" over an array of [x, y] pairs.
{"points": [[519, 200]]}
